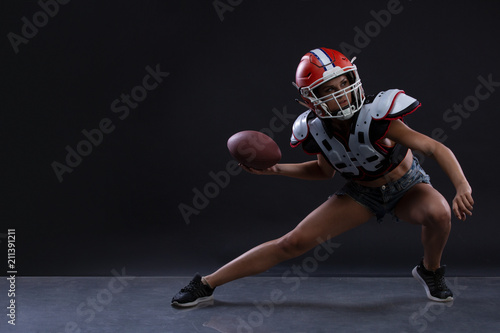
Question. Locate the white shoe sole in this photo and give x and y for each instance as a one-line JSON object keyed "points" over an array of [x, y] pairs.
{"points": [[194, 303]]}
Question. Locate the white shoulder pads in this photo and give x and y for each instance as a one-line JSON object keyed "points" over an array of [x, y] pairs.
{"points": [[391, 104], [300, 128]]}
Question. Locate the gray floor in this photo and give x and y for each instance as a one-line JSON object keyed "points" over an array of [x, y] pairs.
{"points": [[289, 303]]}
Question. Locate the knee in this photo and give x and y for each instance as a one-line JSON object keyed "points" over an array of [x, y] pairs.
{"points": [[292, 245], [439, 216]]}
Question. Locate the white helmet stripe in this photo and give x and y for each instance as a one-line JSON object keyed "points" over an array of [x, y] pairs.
{"points": [[324, 58]]}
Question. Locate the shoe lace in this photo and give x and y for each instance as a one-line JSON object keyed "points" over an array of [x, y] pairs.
{"points": [[440, 282], [192, 286]]}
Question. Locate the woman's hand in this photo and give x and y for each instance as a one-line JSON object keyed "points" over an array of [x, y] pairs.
{"points": [[269, 171], [463, 202], [310, 170]]}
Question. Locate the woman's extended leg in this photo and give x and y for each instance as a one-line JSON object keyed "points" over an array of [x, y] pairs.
{"points": [[337, 215]]}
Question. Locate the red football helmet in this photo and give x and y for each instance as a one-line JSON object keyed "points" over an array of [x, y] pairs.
{"points": [[319, 66]]}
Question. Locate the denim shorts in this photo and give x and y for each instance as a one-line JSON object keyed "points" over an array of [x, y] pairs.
{"points": [[382, 200]]}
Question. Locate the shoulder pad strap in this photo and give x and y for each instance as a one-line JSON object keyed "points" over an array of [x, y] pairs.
{"points": [[300, 129], [392, 104]]}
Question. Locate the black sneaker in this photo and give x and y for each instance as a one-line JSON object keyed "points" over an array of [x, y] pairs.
{"points": [[433, 282], [194, 293]]}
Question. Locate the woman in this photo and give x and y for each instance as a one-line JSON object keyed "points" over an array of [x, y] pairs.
{"points": [[364, 139]]}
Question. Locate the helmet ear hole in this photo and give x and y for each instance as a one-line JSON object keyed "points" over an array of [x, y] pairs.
{"points": [[350, 77], [316, 91]]}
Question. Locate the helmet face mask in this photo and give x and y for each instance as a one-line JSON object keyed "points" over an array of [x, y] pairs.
{"points": [[320, 66]]}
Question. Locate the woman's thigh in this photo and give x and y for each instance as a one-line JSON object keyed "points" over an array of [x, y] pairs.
{"points": [[423, 205], [335, 216]]}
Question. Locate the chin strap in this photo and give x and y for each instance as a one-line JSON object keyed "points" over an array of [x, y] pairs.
{"points": [[341, 114], [349, 115], [302, 103]]}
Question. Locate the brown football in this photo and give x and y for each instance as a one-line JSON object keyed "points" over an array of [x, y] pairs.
{"points": [[254, 149]]}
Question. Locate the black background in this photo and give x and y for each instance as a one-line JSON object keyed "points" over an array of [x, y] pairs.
{"points": [[120, 206]]}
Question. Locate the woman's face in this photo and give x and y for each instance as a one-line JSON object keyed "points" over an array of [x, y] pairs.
{"points": [[332, 87]]}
